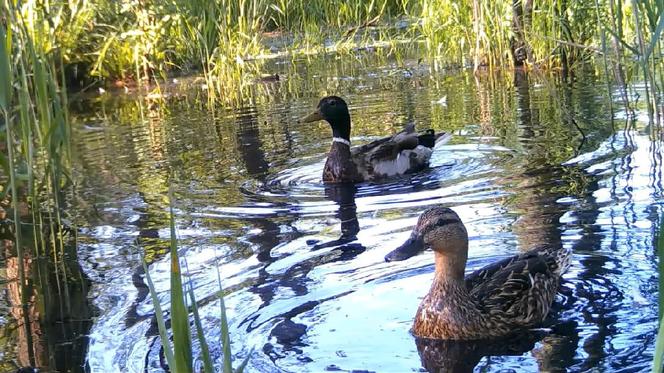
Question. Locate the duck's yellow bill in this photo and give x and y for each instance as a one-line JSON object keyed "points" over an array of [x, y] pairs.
{"points": [[315, 116]]}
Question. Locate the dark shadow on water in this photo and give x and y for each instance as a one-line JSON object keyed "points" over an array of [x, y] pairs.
{"points": [[287, 333], [442, 356], [344, 196]]}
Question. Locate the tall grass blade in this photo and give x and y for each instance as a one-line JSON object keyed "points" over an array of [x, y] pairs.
{"points": [[180, 357], [179, 312], [6, 82], [159, 315], [631, 48], [205, 350], [244, 363], [659, 345], [654, 39], [225, 337]]}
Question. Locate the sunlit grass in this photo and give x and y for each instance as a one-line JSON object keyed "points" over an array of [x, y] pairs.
{"points": [[142, 40], [179, 355], [227, 40], [36, 149]]}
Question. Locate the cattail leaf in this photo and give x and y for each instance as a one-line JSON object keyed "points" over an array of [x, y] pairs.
{"points": [[159, 315]]}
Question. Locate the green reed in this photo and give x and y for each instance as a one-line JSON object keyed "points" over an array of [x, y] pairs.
{"points": [[136, 41], [36, 128], [179, 356], [658, 359], [36, 156], [625, 38]]}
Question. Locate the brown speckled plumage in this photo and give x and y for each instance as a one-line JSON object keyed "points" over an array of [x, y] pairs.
{"points": [[404, 152], [494, 301]]}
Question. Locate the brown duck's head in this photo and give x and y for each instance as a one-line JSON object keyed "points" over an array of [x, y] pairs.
{"points": [[333, 110], [439, 228]]}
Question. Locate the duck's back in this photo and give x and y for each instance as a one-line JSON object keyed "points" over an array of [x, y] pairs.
{"points": [[406, 152], [519, 290], [404, 162]]}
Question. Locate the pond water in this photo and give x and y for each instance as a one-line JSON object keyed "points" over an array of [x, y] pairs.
{"points": [[532, 160]]}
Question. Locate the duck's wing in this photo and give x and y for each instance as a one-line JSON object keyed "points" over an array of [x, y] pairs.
{"points": [[521, 287], [388, 148], [367, 148], [559, 261], [391, 148], [484, 274], [398, 154], [406, 140]]}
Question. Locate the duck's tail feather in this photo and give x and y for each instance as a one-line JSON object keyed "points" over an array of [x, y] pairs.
{"points": [[431, 139], [563, 259], [442, 138]]}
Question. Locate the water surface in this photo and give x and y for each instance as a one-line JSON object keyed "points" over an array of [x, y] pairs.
{"points": [[533, 160]]}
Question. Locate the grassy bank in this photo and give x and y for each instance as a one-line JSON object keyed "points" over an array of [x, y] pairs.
{"points": [[130, 41]]}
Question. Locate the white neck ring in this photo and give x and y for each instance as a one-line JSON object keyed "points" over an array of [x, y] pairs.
{"points": [[341, 140]]}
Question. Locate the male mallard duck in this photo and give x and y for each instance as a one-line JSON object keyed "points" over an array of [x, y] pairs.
{"points": [[494, 301], [402, 153]]}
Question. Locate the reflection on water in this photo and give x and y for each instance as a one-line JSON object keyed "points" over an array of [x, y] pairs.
{"points": [[464, 356], [533, 160]]}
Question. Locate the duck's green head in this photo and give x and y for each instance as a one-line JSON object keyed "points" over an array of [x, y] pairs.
{"points": [[439, 228], [333, 110]]}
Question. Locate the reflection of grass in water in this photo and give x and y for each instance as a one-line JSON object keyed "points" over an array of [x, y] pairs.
{"points": [[484, 99]]}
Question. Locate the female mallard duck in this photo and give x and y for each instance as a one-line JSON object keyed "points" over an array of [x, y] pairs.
{"points": [[494, 301], [402, 153]]}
